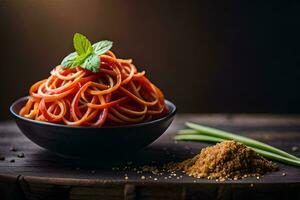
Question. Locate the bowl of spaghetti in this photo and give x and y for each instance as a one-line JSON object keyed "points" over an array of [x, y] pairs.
{"points": [[93, 102]]}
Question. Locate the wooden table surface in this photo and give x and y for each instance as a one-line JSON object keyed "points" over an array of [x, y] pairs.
{"points": [[43, 175]]}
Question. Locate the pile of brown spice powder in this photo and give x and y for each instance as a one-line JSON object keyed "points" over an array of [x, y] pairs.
{"points": [[225, 160]]}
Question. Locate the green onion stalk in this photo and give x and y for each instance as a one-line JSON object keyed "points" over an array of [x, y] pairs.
{"points": [[203, 133]]}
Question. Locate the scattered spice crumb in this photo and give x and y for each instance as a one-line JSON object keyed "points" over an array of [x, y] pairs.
{"points": [[126, 177], [295, 148], [155, 179], [12, 148], [21, 155], [283, 174], [225, 160], [222, 179], [12, 160], [143, 177]]}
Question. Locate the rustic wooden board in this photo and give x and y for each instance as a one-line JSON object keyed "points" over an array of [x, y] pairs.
{"points": [[41, 174]]}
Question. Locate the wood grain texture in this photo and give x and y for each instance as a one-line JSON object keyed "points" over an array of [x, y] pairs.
{"points": [[43, 175]]}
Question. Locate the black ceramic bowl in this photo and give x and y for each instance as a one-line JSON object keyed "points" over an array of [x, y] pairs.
{"points": [[87, 141]]}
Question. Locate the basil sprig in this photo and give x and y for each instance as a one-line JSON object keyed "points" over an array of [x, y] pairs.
{"points": [[86, 55]]}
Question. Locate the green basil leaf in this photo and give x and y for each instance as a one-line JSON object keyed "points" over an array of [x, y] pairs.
{"points": [[102, 47], [86, 55], [82, 45], [92, 63], [70, 61], [80, 59]]}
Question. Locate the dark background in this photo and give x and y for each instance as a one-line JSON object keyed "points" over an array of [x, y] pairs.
{"points": [[207, 56]]}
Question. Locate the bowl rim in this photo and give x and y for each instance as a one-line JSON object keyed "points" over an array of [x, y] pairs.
{"points": [[170, 114]]}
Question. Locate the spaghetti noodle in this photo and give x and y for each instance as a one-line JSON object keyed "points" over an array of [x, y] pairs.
{"points": [[116, 95]]}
